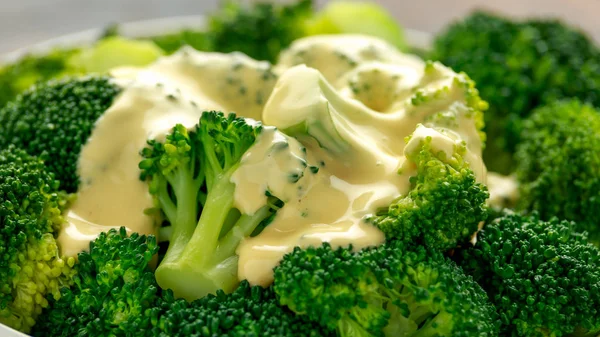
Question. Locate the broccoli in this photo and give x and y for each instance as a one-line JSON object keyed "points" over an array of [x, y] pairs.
{"points": [[190, 177], [248, 311], [542, 275], [558, 164], [53, 120], [260, 31], [29, 69], [443, 207], [114, 292], [391, 290], [30, 213], [518, 66]]}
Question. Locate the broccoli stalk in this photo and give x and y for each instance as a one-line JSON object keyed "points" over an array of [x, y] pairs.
{"points": [[190, 177]]}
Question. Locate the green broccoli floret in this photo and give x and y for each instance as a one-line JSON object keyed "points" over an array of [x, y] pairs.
{"points": [[558, 164], [190, 176], [518, 66], [114, 292], [30, 264], [260, 31], [23, 73], [542, 276], [53, 120], [248, 311], [390, 290], [444, 205]]}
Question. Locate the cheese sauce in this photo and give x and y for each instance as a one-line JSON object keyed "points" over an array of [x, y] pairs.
{"points": [[176, 89], [342, 107]]}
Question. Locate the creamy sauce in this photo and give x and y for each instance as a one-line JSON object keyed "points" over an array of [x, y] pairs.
{"points": [[345, 104], [357, 115], [175, 89], [504, 190]]}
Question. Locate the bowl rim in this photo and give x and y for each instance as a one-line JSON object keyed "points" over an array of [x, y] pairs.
{"points": [[149, 27]]}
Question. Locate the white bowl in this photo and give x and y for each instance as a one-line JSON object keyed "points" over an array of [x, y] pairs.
{"points": [[153, 27]]}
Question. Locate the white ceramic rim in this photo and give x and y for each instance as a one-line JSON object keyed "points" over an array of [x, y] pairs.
{"points": [[152, 27]]}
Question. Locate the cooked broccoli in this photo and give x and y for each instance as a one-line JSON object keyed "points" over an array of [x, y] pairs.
{"points": [[30, 264], [23, 73], [558, 164], [391, 290], [114, 292], [248, 311], [260, 31], [53, 120], [190, 176], [518, 66], [542, 276], [443, 207]]}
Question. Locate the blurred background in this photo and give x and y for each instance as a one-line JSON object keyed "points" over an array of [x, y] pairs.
{"points": [[25, 22]]}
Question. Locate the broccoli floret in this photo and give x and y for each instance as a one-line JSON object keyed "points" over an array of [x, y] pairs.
{"points": [[558, 164], [518, 66], [190, 176], [170, 43], [443, 207], [53, 120], [542, 276], [30, 264], [390, 290], [22, 74], [248, 311], [260, 31], [114, 292]]}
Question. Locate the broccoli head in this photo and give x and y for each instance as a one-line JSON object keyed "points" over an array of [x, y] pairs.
{"points": [[30, 69], [542, 276], [30, 264], [114, 292], [53, 120], [558, 164], [247, 311], [190, 176], [391, 290], [260, 31], [518, 66], [445, 203]]}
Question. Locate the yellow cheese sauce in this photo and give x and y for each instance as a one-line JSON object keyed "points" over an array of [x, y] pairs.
{"points": [[342, 106], [176, 89]]}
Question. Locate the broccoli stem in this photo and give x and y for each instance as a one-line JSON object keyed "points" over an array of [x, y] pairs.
{"points": [[242, 228], [184, 214]]}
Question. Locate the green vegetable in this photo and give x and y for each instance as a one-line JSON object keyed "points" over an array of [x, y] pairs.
{"points": [[357, 17], [558, 164], [190, 177], [23, 73], [53, 120], [31, 267], [518, 66], [391, 290], [260, 31], [113, 293], [542, 276], [248, 311], [443, 207], [112, 52]]}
